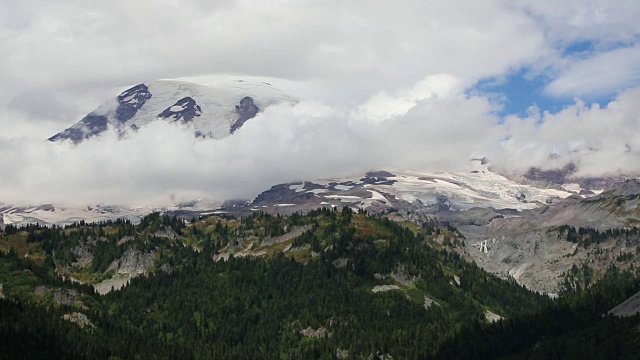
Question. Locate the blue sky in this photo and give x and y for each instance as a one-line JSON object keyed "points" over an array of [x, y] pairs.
{"points": [[616, 61], [519, 90]]}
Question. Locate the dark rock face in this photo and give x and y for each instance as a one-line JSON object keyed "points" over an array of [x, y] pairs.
{"points": [[46, 207], [92, 124], [382, 174], [129, 102], [283, 194], [189, 110], [556, 176], [378, 177], [246, 110], [566, 175], [604, 183]]}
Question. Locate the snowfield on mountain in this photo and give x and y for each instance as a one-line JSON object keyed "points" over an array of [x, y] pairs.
{"points": [[213, 111]]}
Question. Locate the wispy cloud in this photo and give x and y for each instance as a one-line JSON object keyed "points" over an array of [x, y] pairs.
{"points": [[603, 74]]}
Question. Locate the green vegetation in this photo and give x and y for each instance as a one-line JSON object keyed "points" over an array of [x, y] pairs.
{"points": [[587, 236], [258, 304], [575, 326]]}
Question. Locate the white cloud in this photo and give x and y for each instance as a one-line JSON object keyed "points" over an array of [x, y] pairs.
{"points": [[354, 48], [600, 21], [384, 106], [307, 141], [384, 87], [606, 37], [601, 75], [599, 141], [163, 163]]}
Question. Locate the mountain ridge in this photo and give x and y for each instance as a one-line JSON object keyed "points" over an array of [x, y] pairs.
{"points": [[213, 111]]}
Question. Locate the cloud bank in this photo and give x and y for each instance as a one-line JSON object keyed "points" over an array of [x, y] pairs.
{"points": [[600, 141], [440, 128], [383, 86]]}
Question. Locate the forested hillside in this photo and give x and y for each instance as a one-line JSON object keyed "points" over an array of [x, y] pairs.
{"points": [[329, 284]]}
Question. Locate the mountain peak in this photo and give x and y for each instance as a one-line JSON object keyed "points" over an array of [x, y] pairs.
{"points": [[213, 111], [130, 101]]}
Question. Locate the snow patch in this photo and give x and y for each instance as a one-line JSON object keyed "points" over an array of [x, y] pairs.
{"points": [[576, 188], [297, 187], [318, 191]]}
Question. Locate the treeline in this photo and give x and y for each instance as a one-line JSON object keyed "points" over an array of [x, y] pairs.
{"points": [[587, 236], [575, 326]]}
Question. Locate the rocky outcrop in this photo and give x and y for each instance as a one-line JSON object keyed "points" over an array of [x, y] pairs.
{"points": [[474, 216], [83, 255], [246, 110], [130, 101], [294, 233], [402, 276], [492, 317], [90, 125], [128, 104], [166, 268], [629, 307], [66, 297], [184, 111], [284, 193], [428, 302], [79, 319], [166, 232], [125, 239], [383, 288], [311, 332], [555, 176], [378, 178], [131, 264]]}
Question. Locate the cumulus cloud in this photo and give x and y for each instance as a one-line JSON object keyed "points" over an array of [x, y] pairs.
{"points": [[438, 127], [353, 48], [383, 86], [600, 75], [383, 105], [596, 46], [284, 143], [600, 141], [604, 22]]}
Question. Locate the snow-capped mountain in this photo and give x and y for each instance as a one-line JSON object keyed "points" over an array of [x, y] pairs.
{"points": [[433, 192], [376, 191], [50, 214], [214, 111]]}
